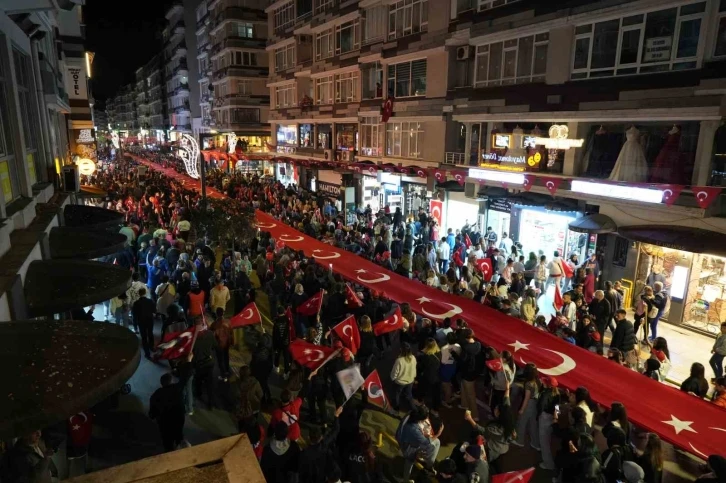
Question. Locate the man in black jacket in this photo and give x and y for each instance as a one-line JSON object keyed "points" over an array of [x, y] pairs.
{"points": [[281, 340], [167, 408], [624, 338], [204, 349], [317, 458], [143, 312], [601, 311]]}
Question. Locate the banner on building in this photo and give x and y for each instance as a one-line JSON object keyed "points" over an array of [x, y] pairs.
{"points": [[83, 144], [76, 82]]}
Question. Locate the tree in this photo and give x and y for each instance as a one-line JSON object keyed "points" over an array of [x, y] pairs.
{"points": [[225, 221]]}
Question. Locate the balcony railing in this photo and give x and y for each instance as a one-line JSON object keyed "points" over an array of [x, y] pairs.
{"points": [[456, 158], [234, 42], [179, 68]]}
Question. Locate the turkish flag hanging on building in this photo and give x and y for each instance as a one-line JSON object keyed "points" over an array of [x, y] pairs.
{"points": [[436, 210], [421, 173], [347, 332], [485, 267], [352, 298], [248, 316], [440, 175], [671, 192], [387, 110], [551, 184], [374, 388], [312, 305], [390, 323], [522, 476], [309, 355], [528, 182], [705, 195], [460, 177]]}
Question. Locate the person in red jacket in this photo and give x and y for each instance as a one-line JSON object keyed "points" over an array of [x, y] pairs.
{"points": [[288, 413]]}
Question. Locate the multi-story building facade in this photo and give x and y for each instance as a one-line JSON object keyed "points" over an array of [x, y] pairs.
{"points": [[176, 72], [477, 85]]}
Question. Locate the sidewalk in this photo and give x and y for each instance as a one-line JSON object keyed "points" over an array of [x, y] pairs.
{"points": [[685, 346]]}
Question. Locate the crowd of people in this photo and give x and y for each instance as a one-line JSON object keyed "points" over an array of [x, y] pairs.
{"points": [[182, 279]]}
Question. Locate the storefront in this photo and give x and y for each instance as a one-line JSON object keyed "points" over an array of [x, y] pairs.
{"points": [[499, 215], [286, 135], [460, 211], [286, 173], [381, 191], [415, 194], [544, 232], [694, 280]]}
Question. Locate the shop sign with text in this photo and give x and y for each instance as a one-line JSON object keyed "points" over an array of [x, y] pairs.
{"points": [[488, 159], [329, 188]]}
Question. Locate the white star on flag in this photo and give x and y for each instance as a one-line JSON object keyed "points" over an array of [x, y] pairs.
{"points": [[422, 300], [307, 352], [518, 345], [679, 425], [362, 270], [76, 427]]}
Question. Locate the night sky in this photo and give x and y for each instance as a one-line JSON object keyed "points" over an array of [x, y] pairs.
{"points": [[124, 36]]}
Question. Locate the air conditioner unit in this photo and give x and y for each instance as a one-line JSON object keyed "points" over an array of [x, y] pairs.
{"points": [[348, 156], [71, 178], [329, 154], [471, 190], [462, 53]]}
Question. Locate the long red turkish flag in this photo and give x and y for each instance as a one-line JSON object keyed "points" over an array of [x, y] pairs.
{"points": [[390, 323], [347, 332], [692, 424], [688, 422], [248, 316]]}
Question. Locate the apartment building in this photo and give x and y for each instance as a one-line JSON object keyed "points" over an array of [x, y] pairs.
{"points": [[176, 71]]}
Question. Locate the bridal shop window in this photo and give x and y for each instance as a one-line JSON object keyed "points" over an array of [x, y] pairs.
{"points": [[643, 153], [648, 42]]}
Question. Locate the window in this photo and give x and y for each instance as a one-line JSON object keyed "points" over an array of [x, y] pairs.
{"points": [[720, 49], [512, 61], [8, 173], [285, 57], [346, 87], [244, 115], [371, 137], [203, 63], [487, 4], [374, 24], [322, 5], [243, 30], [28, 113], [656, 41], [406, 17], [284, 16], [372, 75], [243, 58], [324, 45], [347, 37], [221, 91], [404, 139], [244, 87], [285, 96], [324, 90], [407, 79]]}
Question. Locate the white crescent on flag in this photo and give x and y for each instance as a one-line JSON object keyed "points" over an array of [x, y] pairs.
{"points": [[455, 310], [382, 278]]}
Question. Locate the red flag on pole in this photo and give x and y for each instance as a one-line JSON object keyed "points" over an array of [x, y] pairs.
{"points": [[309, 355], [390, 323], [311, 305], [467, 241], [559, 303], [567, 270], [290, 324], [374, 388], [248, 316], [485, 267], [351, 297], [347, 332], [522, 476]]}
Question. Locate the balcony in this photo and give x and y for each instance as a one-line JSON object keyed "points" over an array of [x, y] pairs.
{"points": [[458, 159], [237, 13], [241, 71], [184, 108], [179, 68], [241, 100], [203, 21], [179, 51], [234, 42], [182, 89]]}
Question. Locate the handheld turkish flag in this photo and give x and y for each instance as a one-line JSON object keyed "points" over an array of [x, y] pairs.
{"points": [[309, 355], [374, 388], [351, 297], [485, 267], [559, 303], [347, 332], [80, 427], [567, 269], [494, 365], [248, 316], [390, 323], [467, 241], [311, 305], [522, 476], [290, 324], [179, 344]]}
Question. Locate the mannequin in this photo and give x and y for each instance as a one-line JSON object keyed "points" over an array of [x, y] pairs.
{"points": [[667, 168], [631, 164]]}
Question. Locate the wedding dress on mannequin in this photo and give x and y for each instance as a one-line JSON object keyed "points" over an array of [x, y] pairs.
{"points": [[631, 164]]}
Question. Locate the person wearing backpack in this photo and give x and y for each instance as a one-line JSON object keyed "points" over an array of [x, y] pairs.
{"points": [[467, 368], [618, 452]]}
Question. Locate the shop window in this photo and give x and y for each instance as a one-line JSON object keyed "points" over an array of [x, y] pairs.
{"points": [[324, 90], [372, 75], [306, 135], [325, 136], [655, 41], [324, 44], [346, 87], [407, 79], [287, 134], [404, 139], [513, 61], [720, 44], [285, 57], [347, 37], [406, 17], [371, 137], [285, 96], [28, 113], [346, 137]]}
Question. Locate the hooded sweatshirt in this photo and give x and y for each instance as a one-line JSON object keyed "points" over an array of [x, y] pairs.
{"points": [[279, 460]]}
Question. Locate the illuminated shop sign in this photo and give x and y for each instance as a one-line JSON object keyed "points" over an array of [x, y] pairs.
{"points": [[633, 193], [499, 175], [503, 158], [329, 188]]}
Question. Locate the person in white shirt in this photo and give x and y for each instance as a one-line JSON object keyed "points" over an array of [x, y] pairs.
{"points": [[569, 310], [478, 252], [555, 272], [519, 265], [444, 253], [506, 243]]}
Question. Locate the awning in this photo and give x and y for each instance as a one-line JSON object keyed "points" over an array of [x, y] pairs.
{"points": [[595, 223], [543, 201], [92, 192], [694, 240], [54, 369], [57, 286], [67, 242], [82, 216]]}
